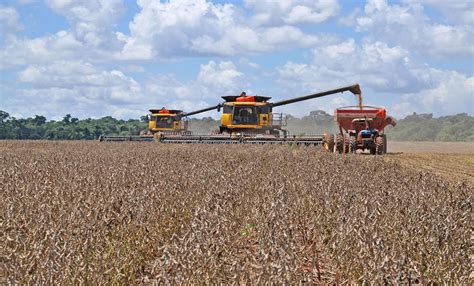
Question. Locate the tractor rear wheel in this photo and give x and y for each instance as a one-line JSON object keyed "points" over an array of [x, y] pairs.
{"points": [[339, 144], [328, 141], [379, 146], [352, 144]]}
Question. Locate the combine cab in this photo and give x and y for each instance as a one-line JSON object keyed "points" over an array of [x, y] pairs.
{"points": [[361, 128]]}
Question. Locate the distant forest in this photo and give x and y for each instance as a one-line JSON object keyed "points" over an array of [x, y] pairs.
{"points": [[416, 127]]}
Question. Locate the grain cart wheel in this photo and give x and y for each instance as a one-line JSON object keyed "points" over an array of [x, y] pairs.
{"points": [[372, 150], [379, 146], [328, 141], [352, 144], [339, 144], [346, 144], [384, 144]]}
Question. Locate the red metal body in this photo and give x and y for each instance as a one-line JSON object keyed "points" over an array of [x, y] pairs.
{"points": [[379, 120]]}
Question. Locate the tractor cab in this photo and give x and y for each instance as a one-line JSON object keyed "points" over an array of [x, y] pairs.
{"points": [[363, 129]]}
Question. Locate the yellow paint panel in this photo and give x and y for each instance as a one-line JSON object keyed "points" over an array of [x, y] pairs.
{"points": [[264, 119], [151, 124], [226, 119]]}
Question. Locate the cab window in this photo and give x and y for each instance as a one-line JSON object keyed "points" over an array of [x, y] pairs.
{"points": [[243, 115], [264, 109], [227, 109], [164, 122]]}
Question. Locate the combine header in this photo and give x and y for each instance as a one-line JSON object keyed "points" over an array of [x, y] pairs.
{"points": [[250, 119]]}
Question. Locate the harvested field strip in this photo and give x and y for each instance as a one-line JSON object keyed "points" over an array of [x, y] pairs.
{"points": [[432, 147], [143, 212], [453, 167]]}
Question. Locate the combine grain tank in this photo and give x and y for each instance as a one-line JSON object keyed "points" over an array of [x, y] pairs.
{"points": [[361, 128]]}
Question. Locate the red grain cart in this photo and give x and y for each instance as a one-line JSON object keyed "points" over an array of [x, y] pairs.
{"points": [[361, 128]]}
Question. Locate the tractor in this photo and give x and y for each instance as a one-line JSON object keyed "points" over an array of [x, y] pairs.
{"points": [[361, 128]]}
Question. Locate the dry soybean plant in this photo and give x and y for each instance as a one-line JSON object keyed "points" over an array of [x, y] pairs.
{"points": [[89, 212]]}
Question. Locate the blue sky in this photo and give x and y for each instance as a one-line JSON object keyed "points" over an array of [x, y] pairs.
{"points": [[111, 57]]}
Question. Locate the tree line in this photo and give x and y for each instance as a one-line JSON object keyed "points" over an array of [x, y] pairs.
{"points": [[415, 127], [69, 128]]}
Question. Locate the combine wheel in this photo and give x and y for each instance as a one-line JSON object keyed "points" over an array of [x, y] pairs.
{"points": [[379, 146], [339, 144], [352, 144], [328, 141]]}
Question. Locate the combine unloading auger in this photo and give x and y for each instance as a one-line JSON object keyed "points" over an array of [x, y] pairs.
{"points": [[250, 119]]}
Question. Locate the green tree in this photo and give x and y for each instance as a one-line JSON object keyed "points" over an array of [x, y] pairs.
{"points": [[67, 118]]}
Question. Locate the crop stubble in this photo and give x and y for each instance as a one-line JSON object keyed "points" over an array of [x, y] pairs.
{"points": [[142, 213]]}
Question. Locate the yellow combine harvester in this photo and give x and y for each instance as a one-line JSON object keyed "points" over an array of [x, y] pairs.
{"points": [[250, 119], [167, 121], [161, 122]]}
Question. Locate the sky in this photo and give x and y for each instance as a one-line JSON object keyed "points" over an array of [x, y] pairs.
{"points": [[94, 58]]}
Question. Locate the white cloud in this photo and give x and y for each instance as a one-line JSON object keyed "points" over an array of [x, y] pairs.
{"points": [[83, 89], [90, 37], [160, 30], [199, 27], [222, 76], [375, 64], [9, 20], [388, 71], [292, 11], [214, 80], [60, 46], [450, 93], [78, 88], [90, 20], [409, 26], [458, 11]]}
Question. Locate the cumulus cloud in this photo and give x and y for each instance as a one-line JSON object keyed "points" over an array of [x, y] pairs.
{"points": [[90, 36], [375, 64], [199, 27], [9, 20], [62, 45], [385, 70], [269, 12], [450, 93], [160, 30], [408, 25], [213, 80], [221, 75], [79, 88], [90, 20], [84, 89], [458, 11]]}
